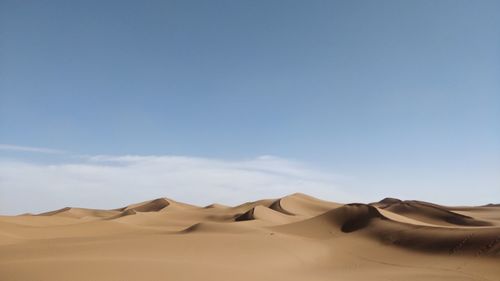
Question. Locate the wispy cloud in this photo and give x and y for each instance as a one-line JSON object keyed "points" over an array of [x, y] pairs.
{"points": [[10, 147], [111, 181]]}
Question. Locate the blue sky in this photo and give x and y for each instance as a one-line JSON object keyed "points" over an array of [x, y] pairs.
{"points": [[396, 98]]}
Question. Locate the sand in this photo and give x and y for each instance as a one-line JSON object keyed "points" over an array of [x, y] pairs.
{"points": [[296, 237]]}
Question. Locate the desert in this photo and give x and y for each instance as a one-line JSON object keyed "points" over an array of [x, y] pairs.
{"points": [[296, 237], [226, 140]]}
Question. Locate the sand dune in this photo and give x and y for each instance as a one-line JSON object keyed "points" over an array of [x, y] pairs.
{"points": [[430, 213], [297, 237], [266, 214], [80, 213]]}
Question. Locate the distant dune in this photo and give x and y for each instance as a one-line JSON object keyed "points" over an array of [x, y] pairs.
{"points": [[297, 237]]}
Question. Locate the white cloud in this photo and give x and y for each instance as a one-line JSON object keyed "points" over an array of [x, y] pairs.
{"points": [[9, 147], [112, 181]]}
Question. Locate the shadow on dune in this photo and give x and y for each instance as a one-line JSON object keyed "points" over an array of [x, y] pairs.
{"points": [[367, 221]]}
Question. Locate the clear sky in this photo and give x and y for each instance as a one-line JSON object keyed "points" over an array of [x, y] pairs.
{"points": [[394, 98]]}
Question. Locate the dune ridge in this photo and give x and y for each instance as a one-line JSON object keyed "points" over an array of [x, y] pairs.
{"points": [[296, 236], [430, 213]]}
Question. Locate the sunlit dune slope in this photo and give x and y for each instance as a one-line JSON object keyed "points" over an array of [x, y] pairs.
{"points": [[297, 237]]}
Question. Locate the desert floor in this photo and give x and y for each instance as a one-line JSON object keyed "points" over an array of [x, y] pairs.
{"points": [[296, 237]]}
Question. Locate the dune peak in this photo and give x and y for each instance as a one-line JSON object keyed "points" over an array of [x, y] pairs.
{"points": [[296, 231]]}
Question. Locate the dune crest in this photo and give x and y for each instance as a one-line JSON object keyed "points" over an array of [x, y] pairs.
{"points": [[149, 206], [297, 236], [265, 214], [430, 213]]}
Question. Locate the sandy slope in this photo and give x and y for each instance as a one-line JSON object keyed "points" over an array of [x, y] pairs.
{"points": [[297, 237]]}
